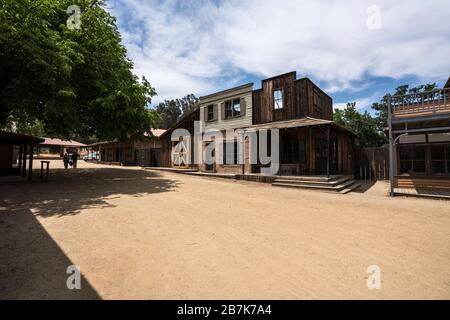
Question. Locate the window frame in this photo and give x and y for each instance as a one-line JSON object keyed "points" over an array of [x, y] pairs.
{"points": [[208, 119], [231, 112], [275, 100]]}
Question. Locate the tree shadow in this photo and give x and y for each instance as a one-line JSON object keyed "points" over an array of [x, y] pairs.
{"points": [[70, 191], [32, 265]]}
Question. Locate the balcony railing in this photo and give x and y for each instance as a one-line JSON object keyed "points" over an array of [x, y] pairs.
{"points": [[421, 104]]}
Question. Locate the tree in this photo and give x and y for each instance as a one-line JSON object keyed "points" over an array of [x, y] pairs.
{"points": [[363, 125], [76, 82], [170, 111]]}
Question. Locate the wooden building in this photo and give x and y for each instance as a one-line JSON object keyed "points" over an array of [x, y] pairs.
{"points": [[15, 149], [310, 142], [419, 139], [146, 152], [180, 153], [219, 112]]}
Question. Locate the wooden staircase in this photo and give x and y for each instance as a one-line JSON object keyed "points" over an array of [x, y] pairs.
{"points": [[338, 184]]}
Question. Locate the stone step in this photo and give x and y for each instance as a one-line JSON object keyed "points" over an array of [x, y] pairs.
{"points": [[333, 182], [311, 178], [337, 188], [353, 187]]}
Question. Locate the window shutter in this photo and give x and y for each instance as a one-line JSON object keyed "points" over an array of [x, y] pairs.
{"points": [[222, 111], [216, 106], [243, 106], [205, 113]]}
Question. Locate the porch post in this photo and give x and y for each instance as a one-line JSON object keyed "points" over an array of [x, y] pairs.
{"points": [[24, 161], [328, 151], [391, 149], [30, 166], [20, 158]]}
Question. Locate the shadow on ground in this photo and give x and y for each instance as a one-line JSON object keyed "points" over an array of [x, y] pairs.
{"points": [[70, 191], [32, 265]]}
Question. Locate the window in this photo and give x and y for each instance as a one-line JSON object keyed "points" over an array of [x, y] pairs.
{"points": [[230, 153], [210, 112], [232, 108], [236, 107], [278, 99], [412, 159], [228, 109], [440, 159]]}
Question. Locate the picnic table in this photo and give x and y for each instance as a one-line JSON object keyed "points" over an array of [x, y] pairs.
{"points": [[42, 169]]}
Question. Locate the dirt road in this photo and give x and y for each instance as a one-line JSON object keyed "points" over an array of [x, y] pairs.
{"points": [[153, 235]]}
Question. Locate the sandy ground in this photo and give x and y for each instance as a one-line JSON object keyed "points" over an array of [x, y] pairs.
{"points": [[139, 234]]}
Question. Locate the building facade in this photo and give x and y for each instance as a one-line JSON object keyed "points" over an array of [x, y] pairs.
{"points": [[419, 134], [310, 142]]}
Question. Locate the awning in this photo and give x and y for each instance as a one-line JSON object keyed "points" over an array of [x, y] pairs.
{"points": [[18, 139], [296, 123]]}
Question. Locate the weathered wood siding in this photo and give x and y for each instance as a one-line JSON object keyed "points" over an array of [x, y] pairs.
{"points": [[301, 98], [186, 123]]}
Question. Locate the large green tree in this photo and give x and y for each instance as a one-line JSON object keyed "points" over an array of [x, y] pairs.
{"points": [[363, 125], [75, 81], [170, 111]]}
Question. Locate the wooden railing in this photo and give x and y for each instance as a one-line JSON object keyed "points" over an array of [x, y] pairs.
{"points": [[421, 104]]}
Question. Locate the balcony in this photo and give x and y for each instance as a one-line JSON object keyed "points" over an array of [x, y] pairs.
{"points": [[421, 106]]}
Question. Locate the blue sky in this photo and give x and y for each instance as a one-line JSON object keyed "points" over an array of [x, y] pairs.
{"points": [[355, 50]]}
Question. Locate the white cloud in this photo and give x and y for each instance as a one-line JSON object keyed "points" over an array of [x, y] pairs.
{"points": [[361, 103], [199, 46]]}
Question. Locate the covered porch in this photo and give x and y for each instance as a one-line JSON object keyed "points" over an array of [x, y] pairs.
{"points": [[310, 146]]}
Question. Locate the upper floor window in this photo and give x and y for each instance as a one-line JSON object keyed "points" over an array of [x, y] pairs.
{"points": [[210, 114], [278, 99], [236, 107], [228, 109], [232, 108]]}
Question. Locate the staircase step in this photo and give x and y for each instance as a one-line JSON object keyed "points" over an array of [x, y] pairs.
{"points": [[311, 178], [353, 187], [333, 182], [345, 187]]}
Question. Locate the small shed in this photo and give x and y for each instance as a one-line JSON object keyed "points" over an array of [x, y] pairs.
{"points": [[58, 146], [15, 149]]}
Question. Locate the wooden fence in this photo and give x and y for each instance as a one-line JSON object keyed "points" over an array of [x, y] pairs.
{"points": [[372, 163]]}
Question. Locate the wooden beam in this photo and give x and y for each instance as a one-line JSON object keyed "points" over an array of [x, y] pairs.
{"points": [[328, 151], [24, 167], [30, 166]]}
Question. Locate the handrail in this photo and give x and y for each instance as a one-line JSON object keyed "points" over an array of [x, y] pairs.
{"points": [[422, 102]]}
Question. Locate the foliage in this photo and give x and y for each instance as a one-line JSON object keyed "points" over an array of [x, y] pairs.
{"points": [[362, 124], [170, 111], [75, 82]]}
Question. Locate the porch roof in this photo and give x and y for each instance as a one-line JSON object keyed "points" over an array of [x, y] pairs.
{"points": [[297, 123]]}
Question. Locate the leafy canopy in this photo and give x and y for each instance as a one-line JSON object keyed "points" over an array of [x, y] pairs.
{"points": [[75, 82]]}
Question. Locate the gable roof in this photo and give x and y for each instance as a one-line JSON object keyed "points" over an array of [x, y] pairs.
{"points": [[59, 142], [447, 85]]}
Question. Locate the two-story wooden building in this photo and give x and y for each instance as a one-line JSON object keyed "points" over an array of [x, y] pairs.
{"points": [[310, 142], [419, 135]]}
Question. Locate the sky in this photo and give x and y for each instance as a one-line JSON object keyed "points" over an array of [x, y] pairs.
{"points": [[355, 50]]}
